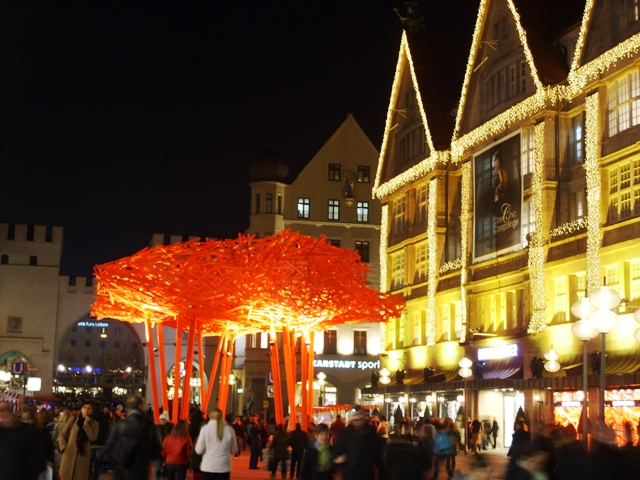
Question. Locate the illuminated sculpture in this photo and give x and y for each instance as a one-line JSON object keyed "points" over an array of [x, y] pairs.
{"points": [[288, 283]]}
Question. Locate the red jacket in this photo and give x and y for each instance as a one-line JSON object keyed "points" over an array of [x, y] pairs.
{"points": [[176, 451]]}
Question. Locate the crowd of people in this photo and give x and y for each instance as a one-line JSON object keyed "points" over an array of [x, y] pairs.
{"points": [[77, 440]]}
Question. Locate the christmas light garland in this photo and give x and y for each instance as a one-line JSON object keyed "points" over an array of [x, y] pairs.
{"points": [[384, 225], [569, 228], [450, 266], [536, 246], [464, 242], [591, 165], [431, 262]]}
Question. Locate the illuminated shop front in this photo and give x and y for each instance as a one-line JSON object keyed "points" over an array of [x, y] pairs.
{"points": [[195, 383]]}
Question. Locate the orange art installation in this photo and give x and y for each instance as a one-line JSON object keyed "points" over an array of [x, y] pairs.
{"points": [[288, 283]]}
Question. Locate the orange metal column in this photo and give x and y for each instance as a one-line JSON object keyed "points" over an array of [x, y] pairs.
{"points": [[277, 384], [152, 370], [201, 363], [186, 389], [290, 380], [176, 372], [310, 377], [163, 369], [304, 367], [214, 370], [223, 376]]}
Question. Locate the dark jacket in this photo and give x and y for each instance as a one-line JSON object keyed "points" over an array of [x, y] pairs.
{"points": [[163, 431], [22, 454], [310, 463], [280, 445], [146, 449], [364, 452], [298, 440], [403, 460], [104, 423]]}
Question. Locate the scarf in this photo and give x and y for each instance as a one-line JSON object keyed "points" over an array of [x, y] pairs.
{"points": [[81, 437], [324, 456]]}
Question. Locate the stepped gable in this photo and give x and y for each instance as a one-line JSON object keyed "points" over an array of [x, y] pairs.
{"points": [[543, 22], [439, 64], [268, 166]]}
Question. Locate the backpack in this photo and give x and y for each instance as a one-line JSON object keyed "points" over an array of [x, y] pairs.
{"points": [[443, 444]]}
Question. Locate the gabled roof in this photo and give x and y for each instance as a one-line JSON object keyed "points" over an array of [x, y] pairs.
{"points": [[436, 66]]}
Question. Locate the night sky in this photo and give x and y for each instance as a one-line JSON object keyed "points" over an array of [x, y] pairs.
{"points": [[125, 119]]}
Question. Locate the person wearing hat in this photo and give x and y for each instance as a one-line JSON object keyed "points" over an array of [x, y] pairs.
{"points": [[163, 429], [359, 451]]}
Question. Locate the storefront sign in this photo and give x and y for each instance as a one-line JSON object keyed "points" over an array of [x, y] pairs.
{"points": [[93, 324], [347, 364], [499, 351]]}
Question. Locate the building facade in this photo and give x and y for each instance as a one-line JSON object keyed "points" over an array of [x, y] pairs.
{"points": [[331, 197], [504, 203]]}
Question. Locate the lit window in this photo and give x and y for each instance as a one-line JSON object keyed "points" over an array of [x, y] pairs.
{"points": [[561, 299], [527, 150], [527, 222], [634, 281], [334, 210], [303, 207], [363, 250], [446, 323], [363, 174], [576, 140], [360, 342], [269, 205], [397, 270], [362, 211], [457, 306], [334, 172], [417, 328], [623, 103], [399, 206], [612, 277], [581, 204], [421, 262], [421, 201]]}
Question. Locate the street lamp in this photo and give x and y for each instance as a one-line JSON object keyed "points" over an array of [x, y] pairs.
{"points": [[597, 311], [552, 365], [385, 379], [322, 381], [465, 372], [583, 330]]}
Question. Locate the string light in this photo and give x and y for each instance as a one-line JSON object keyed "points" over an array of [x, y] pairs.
{"points": [[450, 266], [384, 219], [569, 228], [464, 243], [536, 247], [592, 134], [431, 259]]}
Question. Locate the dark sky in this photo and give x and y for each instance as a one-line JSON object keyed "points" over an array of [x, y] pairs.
{"points": [[124, 119]]}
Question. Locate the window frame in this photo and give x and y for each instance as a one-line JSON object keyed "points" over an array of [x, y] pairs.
{"points": [[305, 203]]}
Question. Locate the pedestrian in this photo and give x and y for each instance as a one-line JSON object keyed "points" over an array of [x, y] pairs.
{"points": [[75, 443], [196, 419], [176, 452], [426, 438], [476, 428], [21, 447], [337, 427], [494, 431], [519, 443], [383, 430], [216, 443], [97, 446], [254, 437], [279, 451], [403, 461], [318, 458], [133, 442], [359, 452], [163, 429], [241, 435], [29, 415], [298, 442], [443, 449]]}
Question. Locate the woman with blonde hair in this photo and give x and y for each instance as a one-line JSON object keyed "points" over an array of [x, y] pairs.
{"points": [[176, 452], [216, 444], [74, 443]]}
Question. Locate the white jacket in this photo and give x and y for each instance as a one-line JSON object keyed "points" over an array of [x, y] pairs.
{"points": [[216, 454]]}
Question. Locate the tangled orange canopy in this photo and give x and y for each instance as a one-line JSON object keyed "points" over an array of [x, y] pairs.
{"points": [[244, 285]]}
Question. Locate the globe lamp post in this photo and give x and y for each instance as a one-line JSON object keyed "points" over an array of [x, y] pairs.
{"points": [[465, 372]]}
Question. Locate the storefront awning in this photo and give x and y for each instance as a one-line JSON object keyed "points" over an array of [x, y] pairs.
{"points": [[503, 368], [617, 363]]}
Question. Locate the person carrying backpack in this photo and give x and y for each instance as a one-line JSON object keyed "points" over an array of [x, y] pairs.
{"points": [[133, 443], [443, 450]]}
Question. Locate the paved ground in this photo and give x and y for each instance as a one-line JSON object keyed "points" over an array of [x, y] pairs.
{"points": [[495, 459]]}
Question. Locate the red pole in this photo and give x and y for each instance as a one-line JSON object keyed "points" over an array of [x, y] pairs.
{"points": [[176, 371], [201, 363], [304, 366], [163, 369], [152, 370], [214, 370], [310, 356], [277, 384], [186, 389]]}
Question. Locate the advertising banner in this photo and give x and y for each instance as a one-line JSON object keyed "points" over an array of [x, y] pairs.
{"points": [[498, 199]]}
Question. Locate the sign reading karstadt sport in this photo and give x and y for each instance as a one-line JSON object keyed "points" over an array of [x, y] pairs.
{"points": [[347, 364]]}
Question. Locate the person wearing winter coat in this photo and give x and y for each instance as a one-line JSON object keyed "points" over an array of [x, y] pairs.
{"points": [[359, 450], [279, 451], [403, 460], [176, 451], [216, 444], [318, 457], [75, 442], [298, 441]]}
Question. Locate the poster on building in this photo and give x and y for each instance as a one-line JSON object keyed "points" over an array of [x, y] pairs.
{"points": [[498, 199]]}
